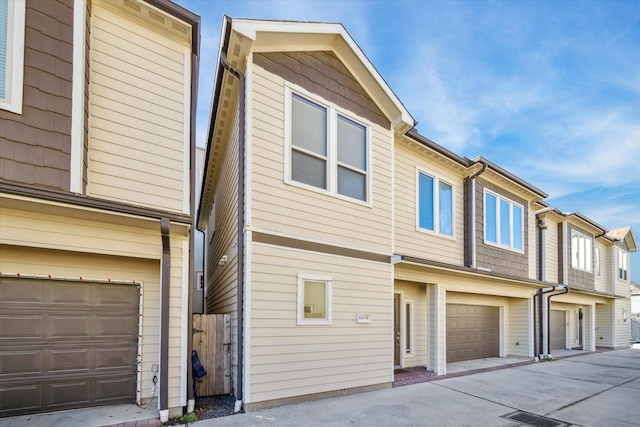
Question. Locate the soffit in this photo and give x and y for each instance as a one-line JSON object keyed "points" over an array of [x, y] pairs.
{"points": [[507, 184], [424, 151], [152, 17]]}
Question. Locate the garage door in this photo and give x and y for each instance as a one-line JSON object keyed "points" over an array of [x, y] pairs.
{"points": [[558, 323], [473, 332], [66, 344]]}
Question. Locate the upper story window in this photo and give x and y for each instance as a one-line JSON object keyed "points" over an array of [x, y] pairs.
{"points": [[435, 205], [623, 269], [328, 150], [596, 263], [503, 222], [12, 14], [581, 249]]}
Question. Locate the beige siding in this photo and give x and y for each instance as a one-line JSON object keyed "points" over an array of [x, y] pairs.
{"points": [[303, 213], [65, 232], [136, 113], [623, 288], [416, 293], [532, 249], [519, 339], [551, 246], [70, 245], [221, 288], [603, 282], [408, 240], [288, 359], [622, 328], [604, 329]]}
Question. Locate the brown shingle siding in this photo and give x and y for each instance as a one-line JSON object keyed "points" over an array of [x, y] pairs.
{"points": [[325, 75], [36, 143]]}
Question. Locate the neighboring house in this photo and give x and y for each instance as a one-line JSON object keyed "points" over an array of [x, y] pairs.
{"points": [[198, 242], [635, 312], [344, 244], [635, 299], [96, 204]]}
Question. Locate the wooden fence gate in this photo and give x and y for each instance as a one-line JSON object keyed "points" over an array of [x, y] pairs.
{"points": [[212, 341]]}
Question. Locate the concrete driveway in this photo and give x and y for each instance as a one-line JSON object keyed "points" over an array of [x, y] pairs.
{"points": [[597, 389]]}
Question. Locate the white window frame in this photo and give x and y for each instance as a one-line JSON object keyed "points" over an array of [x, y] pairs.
{"points": [[580, 253], [597, 262], [333, 111], [15, 57], [408, 344], [623, 265], [498, 239], [302, 278], [436, 205]]}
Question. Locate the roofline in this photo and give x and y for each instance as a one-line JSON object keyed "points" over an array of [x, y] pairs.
{"points": [[587, 220], [411, 260], [250, 28], [413, 134], [510, 176], [215, 99]]}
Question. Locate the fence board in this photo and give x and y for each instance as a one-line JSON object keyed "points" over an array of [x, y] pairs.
{"points": [[212, 341]]}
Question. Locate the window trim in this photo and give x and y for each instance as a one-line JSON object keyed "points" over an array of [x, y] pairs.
{"points": [[597, 263], [523, 223], [623, 258], [15, 57], [436, 205], [588, 266], [408, 329], [333, 111], [302, 278]]}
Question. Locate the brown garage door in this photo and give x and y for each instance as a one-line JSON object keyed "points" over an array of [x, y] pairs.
{"points": [[66, 344], [473, 332], [558, 322]]}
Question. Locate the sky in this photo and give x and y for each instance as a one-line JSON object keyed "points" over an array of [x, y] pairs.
{"points": [[548, 90]]}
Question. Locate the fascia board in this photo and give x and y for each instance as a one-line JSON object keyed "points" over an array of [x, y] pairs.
{"points": [[320, 36]]}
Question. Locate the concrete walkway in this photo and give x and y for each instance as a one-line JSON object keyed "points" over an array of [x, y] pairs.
{"points": [[595, 389]]}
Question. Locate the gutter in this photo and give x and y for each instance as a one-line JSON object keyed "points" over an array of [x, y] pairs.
{"points": [[472, 215], [165, 277], [195, 68], [241, 220]]}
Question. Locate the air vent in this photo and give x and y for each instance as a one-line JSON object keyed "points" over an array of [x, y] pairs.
{"points": [[534, 420]]}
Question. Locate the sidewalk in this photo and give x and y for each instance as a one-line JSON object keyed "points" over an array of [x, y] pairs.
{"points": [[596, 389], [593, 389]]}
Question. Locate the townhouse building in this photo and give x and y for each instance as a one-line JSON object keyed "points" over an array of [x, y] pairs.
{"points": [[344, 244], [97, 102]]}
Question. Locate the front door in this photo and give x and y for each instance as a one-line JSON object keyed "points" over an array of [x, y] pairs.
{"points": [[396, 329]]}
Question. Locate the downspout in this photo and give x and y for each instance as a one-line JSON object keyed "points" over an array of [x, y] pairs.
{"points": [[541, 350], [566, 290], [192, 233], [537, 299], [241, 167], [164, 320], [472, 215]]}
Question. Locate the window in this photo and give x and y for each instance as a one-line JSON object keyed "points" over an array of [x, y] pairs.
{"points": [[435, 205], [408, 330], [623, 270], [12, 13], [581, 248], [503, 222], [328, 150], [596, 262], [314, 300]]}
